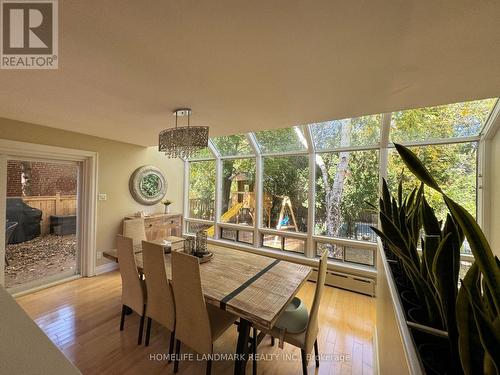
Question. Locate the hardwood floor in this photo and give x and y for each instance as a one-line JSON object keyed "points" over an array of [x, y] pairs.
{"points": [[82, 318]]}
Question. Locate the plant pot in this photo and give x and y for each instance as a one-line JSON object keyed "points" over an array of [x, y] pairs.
{"points": [[435, 352], [417, 315], [409, 299]]}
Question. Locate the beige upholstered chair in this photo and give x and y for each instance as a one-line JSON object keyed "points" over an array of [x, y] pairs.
{"points": [[160, 306], [134, 228], [308, 338], [133, 288], [198, 324]]}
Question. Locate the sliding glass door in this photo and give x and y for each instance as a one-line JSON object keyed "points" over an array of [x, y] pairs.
{"points": [[39, 236]]}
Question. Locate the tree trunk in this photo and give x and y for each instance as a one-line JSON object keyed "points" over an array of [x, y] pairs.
{"points": [[333, 192], [26, 178]]}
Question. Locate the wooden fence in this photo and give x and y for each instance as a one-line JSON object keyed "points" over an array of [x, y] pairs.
{"points": [[53, 205]]}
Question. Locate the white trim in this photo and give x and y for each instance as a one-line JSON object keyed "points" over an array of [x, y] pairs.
{"points": [[492, 124], [3, 214], [441, 141], [284, 233], [218, 196], [86, 227], [106, 267], [41, 285], [310, 249], [198, 221]]}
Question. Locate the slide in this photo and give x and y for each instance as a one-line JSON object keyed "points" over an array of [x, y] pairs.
{"points": [[233, 211]]}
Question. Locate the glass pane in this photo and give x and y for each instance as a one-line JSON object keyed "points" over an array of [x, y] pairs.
{"points": [[359, 131], [357, 255], [294, 244], [345, 181], [270, 240], [192, 228], [238, 197], [232, 145], [202, 189], [204, 153], [245, 236], [285, 193], [464, 267], [228, 234], [334, 251], [281, 140], [453, 167], [445, 121]]}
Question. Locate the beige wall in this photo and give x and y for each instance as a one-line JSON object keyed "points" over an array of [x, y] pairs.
{"points": [[117, 161], [494, 227]]}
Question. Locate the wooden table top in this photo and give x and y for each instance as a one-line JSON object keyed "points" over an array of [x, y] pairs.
{"points": [[254, 287]]}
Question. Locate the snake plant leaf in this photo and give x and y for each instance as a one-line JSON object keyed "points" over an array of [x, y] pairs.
{"points": [[400, 193], [488, 334], [385, 201], [480, 248], [469, 344], [488, 303], [445, 281], [416, 166], [429, 219]]}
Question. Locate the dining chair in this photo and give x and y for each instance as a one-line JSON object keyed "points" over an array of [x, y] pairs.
{"points": [[134, 228], [160, 307], [134, 293], [198, 324], [308, 338]]}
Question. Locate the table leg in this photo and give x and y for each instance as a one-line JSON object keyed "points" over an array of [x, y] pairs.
{"points": [[242, 347]]}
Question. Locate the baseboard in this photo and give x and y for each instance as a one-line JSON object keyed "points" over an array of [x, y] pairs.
{"points": [[106, 267], [376, 368]]}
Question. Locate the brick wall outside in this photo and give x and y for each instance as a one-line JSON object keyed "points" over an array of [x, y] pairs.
{"points": [[47, 179]]}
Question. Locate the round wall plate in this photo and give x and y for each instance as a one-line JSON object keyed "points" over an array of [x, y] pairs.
{"points": [[148, 185]]}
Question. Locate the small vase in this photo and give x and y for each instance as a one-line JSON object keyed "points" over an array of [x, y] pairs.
{"points": [[167, 209]]}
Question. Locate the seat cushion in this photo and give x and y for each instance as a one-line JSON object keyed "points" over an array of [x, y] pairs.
{"points": [[220, 320]]}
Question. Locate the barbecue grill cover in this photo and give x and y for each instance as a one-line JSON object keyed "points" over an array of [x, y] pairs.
{"points": [[28, 219]]}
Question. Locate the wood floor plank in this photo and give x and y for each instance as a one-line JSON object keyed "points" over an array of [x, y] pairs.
{"points": [[82, 318]]}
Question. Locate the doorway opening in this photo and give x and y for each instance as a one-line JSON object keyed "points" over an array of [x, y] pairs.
{"points": [[41, 228]]}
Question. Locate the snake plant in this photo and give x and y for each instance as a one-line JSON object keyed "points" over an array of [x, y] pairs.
{"points": [[477, 303]]}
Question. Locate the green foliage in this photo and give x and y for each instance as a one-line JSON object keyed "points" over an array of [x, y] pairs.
{"points": [[280, 140], [232, 145], [478, 301], [150, 185]]}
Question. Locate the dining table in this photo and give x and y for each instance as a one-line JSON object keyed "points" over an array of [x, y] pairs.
{"points": [[254, 287]]}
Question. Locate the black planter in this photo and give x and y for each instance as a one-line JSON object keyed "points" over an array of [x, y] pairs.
{"points": [[435, 352]]}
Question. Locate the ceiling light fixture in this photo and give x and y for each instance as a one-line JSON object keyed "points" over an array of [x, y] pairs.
{"points": [[183, 141]]}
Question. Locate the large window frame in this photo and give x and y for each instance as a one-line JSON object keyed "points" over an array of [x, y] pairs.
{"points": [[311, 239]]}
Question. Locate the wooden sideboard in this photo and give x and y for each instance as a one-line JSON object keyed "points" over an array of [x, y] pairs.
{"points": [[160, 226]]}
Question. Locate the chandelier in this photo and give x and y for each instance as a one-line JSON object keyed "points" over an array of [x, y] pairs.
{"points": [[183, 141]]}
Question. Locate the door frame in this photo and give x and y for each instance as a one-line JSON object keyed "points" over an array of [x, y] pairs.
{"points": [[87, 194]]}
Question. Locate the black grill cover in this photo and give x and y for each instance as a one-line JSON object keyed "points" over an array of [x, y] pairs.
{"points": [[28, 219]]}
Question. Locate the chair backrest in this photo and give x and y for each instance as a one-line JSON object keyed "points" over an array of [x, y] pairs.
{"points": [[133, 293], [134, 228], [312, 325], [160, 296], [10, 227], [192, 321]]}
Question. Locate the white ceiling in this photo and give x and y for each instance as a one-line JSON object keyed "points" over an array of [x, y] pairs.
{"points": [[250, 65]]}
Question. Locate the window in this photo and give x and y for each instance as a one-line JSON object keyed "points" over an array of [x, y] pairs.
{"points": [[345, 181], [232, 145], [284, 243], [204, 153], [202, 189], [273, 167], [452, 165], [285, 193], [360, 131], [445, 121], [238, 197], [193, 228], [281, 140]]}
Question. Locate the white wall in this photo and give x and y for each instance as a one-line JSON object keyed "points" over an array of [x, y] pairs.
{"points": [[117, 161]]}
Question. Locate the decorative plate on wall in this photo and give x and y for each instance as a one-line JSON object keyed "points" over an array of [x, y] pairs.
{"points": [[148, 185]]}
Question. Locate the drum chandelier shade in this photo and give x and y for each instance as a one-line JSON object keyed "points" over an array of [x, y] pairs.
{"points": [[183, 141]]}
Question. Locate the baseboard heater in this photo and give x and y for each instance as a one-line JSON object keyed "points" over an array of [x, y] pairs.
{"points": [[353, 283]]}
